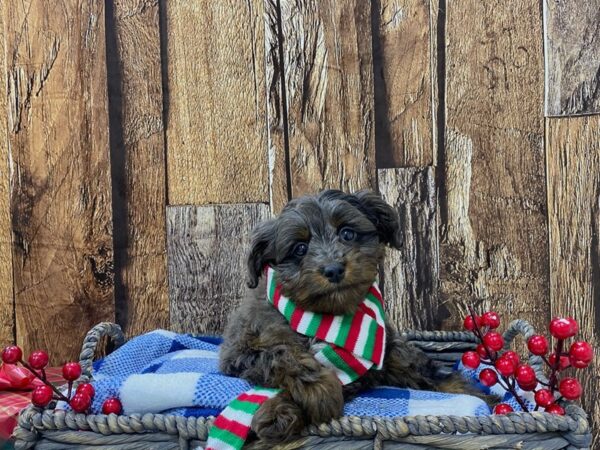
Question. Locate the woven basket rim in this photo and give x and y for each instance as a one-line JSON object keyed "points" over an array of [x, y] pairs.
{"points": [[574, 424]]}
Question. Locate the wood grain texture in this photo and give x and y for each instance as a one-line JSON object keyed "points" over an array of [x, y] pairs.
{"points": [[573, 165], [403, 83], [329, 87], [138, 165], [410, 276], [216, 108], [494, 236], [7, 310], [278, 153], [60, 197], [207, 248], [572, 44]]}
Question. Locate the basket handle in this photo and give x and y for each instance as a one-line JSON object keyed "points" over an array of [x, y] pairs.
{"points": [[524, 328], [90, 345]]}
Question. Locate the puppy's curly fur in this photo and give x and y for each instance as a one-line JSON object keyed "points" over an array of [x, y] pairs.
{"points": [[346, 232]]}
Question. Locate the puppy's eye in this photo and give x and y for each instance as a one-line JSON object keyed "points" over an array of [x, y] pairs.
{"points": [[347, 234], [300, 249]]}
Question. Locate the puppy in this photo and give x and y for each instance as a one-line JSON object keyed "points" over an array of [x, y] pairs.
{"points": [[325, 250]]}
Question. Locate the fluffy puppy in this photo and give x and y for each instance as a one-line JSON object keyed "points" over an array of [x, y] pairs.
{"points": [[326, 250]]}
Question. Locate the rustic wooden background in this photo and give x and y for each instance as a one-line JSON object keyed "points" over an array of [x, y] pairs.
{"points": [[144, 138]]}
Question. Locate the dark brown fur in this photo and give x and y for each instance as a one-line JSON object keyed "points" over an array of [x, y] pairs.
{"points": [[260, 346]]}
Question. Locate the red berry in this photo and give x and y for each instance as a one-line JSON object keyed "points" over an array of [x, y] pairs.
{"points": [[502, 408], [574, 325], [509, 354], [562, 328], [86, 388], [481, 351], [469, 323], [71, 371], [538, 345], [570, 388], [563, 364], [491, 319], [525, 375], [488, 377], [528, 387], [41, 396], [470, 360], [493, 340], [12, 354], [555, 409], [544, 398], [80, 402], [578, 364], [581, 351], [38, 359], [505, 366], [112, 406]]}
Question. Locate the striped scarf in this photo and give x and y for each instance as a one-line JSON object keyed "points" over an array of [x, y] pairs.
{"points": [[354, 344]]}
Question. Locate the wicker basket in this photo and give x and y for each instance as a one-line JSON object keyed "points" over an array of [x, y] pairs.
{"points": [[48, 429]]}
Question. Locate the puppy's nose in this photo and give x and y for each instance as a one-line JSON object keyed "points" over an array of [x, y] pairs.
{"points": [[334, 272]]}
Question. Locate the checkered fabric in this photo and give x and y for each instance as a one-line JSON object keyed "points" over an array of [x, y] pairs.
{"points": [[171, 373], [11, 402]]}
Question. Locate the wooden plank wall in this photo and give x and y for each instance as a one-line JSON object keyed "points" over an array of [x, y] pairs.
{"points": [[493, 207], [573, 167], [7, 310], [139, 184], [60, 195], [328, 84], [215, 105], [572, 57], [143, 141]]}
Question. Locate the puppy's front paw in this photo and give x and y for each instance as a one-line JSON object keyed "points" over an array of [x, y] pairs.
{"points": [[323, 399], [278, 419]]}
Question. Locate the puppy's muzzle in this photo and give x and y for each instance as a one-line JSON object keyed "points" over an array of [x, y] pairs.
{"points": [[334, 272]]}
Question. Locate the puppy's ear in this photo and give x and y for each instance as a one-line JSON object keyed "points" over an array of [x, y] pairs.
{"points": [[261, 248], [384, 217]]}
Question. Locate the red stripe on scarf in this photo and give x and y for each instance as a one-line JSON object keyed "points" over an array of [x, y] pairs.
{"points": [[239, 429], [367, 310], [377, 295], [354, 331], [277, 295], [253, 398], [378, 350], [351, 360], [295, 319], [324, 326]]}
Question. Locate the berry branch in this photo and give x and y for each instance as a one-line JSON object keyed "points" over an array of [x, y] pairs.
{"points": [[59, 395], [514, 377], [42, 395]]}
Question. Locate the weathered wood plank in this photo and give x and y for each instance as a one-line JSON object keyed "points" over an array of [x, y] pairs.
{"points": [[329, 87], [572, 44], [403, 83], [207, 248], [411, 276], [279, 182], [573, 162], [138, 165], [493, 196], [7, 319], [216, 109], [60, 198]]}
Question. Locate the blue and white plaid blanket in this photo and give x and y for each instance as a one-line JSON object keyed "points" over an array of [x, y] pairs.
{"points": [[174, 373]]}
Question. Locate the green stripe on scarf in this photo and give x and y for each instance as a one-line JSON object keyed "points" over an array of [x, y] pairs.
{"points": [[227, 436], [338, 362]]}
